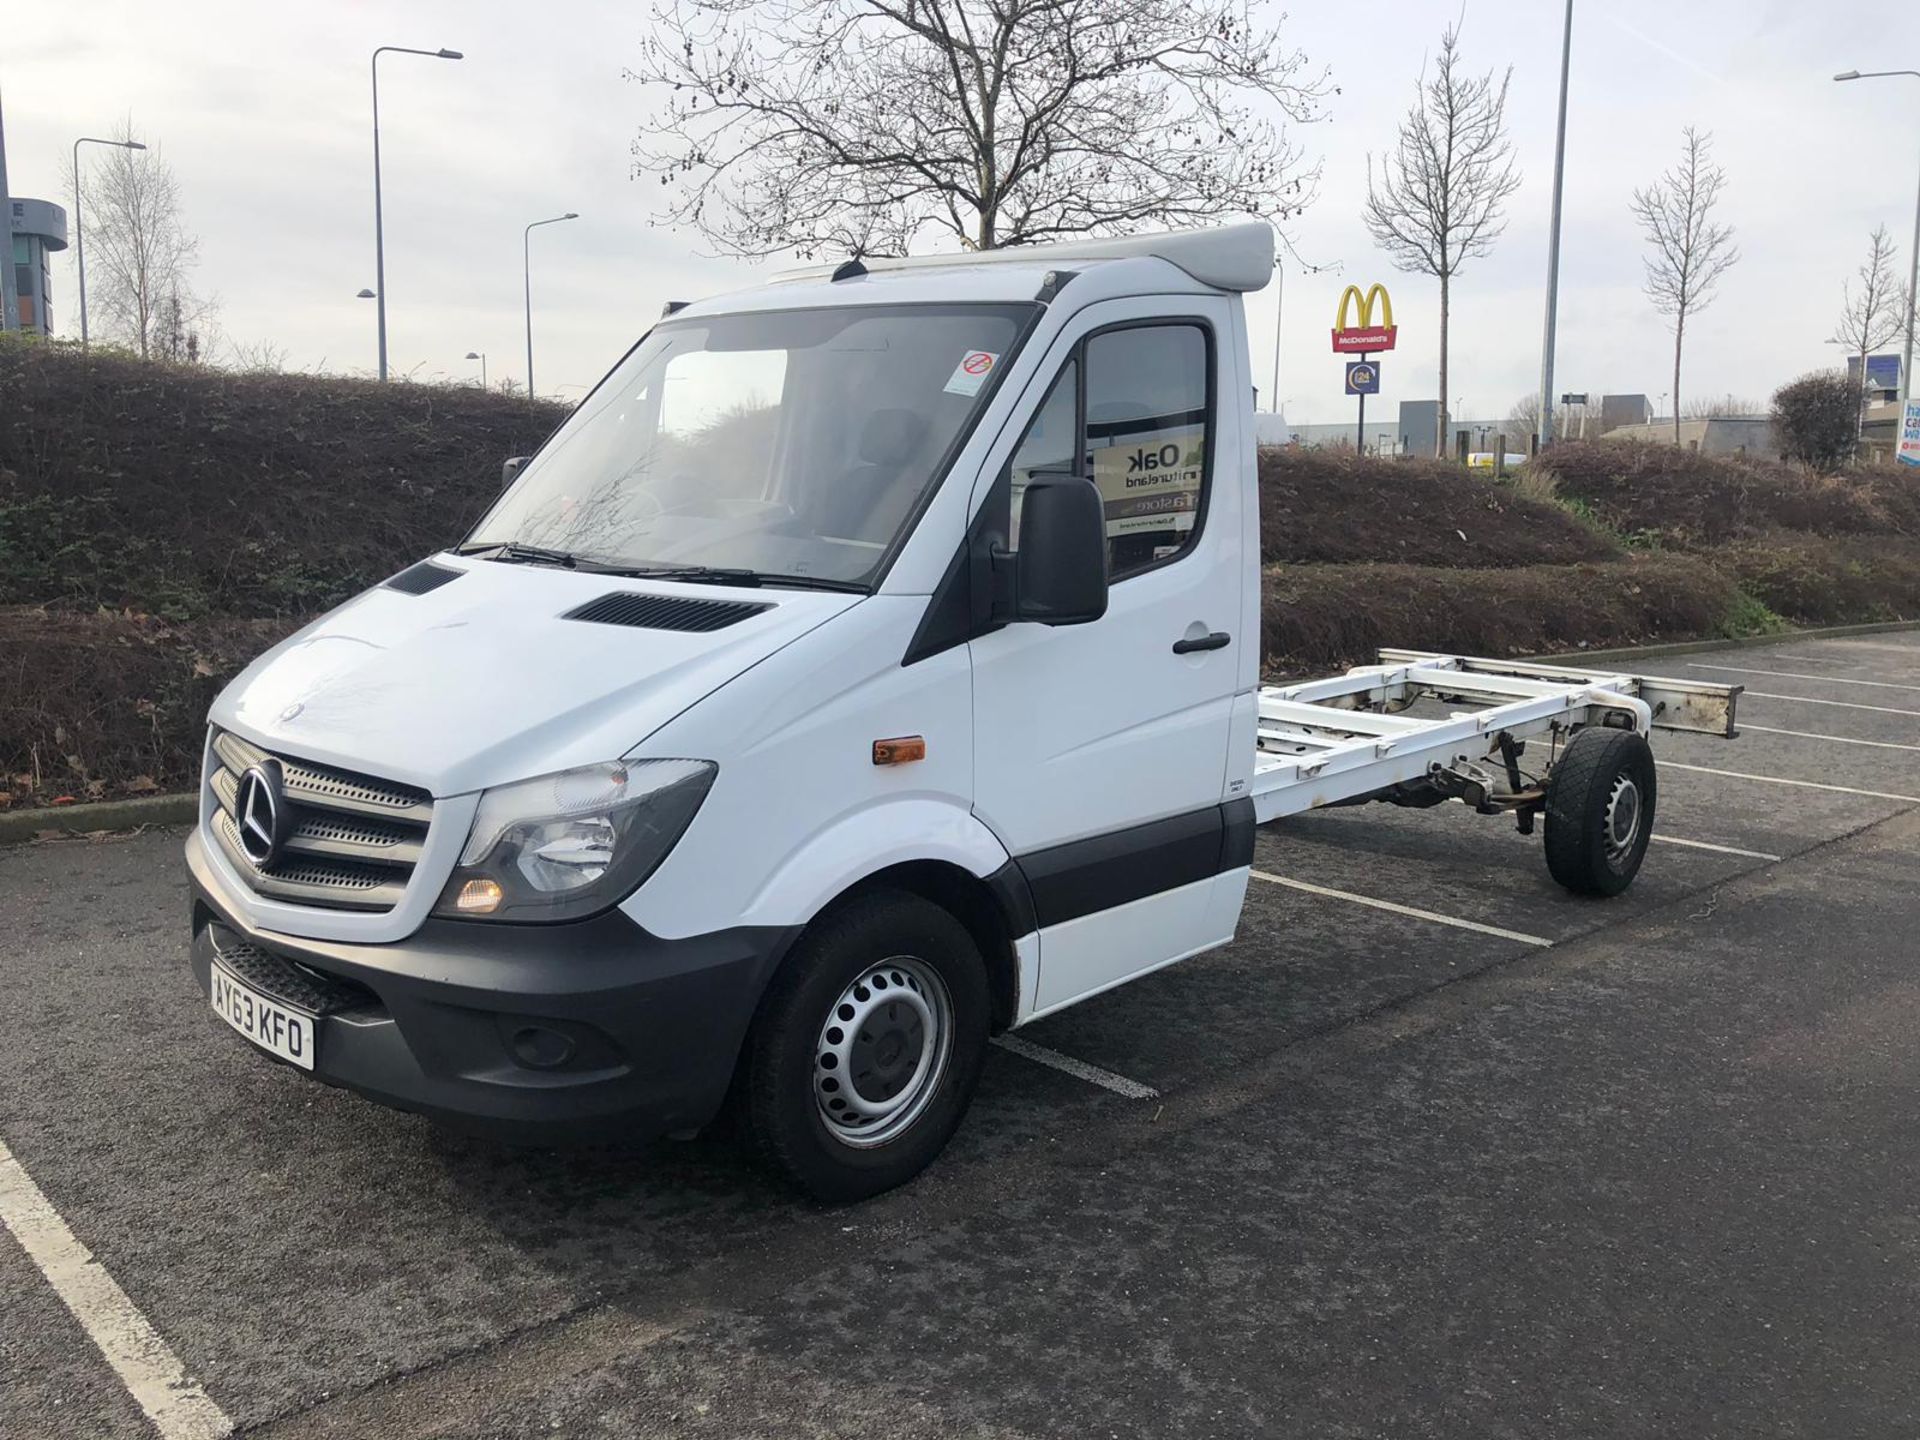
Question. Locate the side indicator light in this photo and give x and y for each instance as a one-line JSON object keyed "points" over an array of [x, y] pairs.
{"points": [[900, 751], [478, 897]]}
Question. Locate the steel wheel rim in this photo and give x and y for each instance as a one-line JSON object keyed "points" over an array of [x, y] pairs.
{"points": [[1621, 825], [882, 1052]]}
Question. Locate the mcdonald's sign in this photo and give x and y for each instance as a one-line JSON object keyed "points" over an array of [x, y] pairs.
{"points": [[1350, 339]]}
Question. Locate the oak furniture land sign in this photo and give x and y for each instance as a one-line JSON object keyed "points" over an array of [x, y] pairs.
{"points": [[1351, 339], [1908, 452], [1151, 481], [1363, 377]]}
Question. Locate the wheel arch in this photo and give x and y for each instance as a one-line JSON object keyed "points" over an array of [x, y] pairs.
{"points": [[996, 912]]}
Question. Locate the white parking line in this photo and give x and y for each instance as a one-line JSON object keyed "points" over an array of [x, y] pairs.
{"points": [[1396, 909], [1838, 704], [1717, 849], [1796, 675], [152, 1373], [1778, 780], [1079, 1069], [1837, 739], [1912, 652]]}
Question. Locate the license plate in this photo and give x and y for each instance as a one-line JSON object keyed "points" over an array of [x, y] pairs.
{"points": [[267, 1023]]}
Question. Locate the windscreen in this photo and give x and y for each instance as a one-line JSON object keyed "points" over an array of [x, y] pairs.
{"points": [[792, 443]]}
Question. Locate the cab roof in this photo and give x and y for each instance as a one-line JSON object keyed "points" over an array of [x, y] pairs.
{"points": [[1232, 257]]}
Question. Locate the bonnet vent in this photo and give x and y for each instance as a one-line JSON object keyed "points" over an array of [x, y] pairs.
{"points": [[665, 612], [419, 579]]}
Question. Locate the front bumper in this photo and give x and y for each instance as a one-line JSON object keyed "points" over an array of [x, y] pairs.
{"points": [[538, 1034]]}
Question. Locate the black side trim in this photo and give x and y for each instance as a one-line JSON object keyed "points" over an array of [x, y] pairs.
{"points": [[948, 620], [421, 578], [1015, 898], [1236, 844], [665, 612], [1098, 873]]}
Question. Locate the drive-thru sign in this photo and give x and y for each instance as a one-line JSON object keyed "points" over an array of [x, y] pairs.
{"points": [[1363, 376]]}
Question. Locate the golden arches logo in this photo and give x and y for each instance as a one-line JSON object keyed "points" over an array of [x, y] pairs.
{"points": [[1352, 296], [1367, 336]]}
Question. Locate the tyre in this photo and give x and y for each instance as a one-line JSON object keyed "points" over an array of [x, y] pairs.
{"points": [[1600, 804], [867, 1047]]}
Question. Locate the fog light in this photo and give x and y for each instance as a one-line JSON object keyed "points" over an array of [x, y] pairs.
{"points": [[539, 1048], [478, 897]]}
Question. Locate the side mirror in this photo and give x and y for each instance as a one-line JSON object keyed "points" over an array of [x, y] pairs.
{"points": [[512, 468], [1060, 571]]}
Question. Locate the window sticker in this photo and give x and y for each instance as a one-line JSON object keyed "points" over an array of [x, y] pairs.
{"points": [[971, 373], [1151, 482]]}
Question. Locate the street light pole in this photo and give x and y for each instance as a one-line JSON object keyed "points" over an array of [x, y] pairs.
{"points": [[481, 356], [379, 228], [1913, 278], [1279, 313], [1553, 237], [526, 276], [79, 225], [9, 302]]}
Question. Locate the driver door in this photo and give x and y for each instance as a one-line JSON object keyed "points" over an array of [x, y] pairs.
{"points": [[1101, 749]]}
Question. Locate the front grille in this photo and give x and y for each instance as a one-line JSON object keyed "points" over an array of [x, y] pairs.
{"points": [[352, 841]]}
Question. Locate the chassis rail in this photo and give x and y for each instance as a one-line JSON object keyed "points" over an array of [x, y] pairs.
{"points": [[1335, 741]]}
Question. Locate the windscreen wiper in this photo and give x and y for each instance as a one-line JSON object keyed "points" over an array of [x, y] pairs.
{"points": [[531, 554], [726, 575]]}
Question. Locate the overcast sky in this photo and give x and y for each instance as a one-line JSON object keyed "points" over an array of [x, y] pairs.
{"points": [[262, 109]]}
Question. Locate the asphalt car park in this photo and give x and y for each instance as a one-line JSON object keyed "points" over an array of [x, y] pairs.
{"points": [[1433, 1148]]}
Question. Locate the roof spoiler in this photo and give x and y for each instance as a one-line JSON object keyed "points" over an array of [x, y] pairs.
{"points": [[1227, 257]]}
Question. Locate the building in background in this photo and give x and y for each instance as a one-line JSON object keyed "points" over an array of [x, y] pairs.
{"points": [[1883, 377], [39, 229], [1617, 411], [1270, 429], [1714, 435], [1416, 427]]}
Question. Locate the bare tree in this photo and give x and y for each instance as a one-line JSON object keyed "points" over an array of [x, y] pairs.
{"points": [[256, 357], [140, 254], [1875, 313], [1728, 406], [854, 126], [1570, 422], [1690, 250], [1438, 199]]}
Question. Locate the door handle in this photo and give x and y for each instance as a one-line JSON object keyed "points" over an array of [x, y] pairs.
{"points": [[1218, 640]]}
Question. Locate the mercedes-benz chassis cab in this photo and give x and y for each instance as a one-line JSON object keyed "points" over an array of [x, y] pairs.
{"points": [[869, 665]]}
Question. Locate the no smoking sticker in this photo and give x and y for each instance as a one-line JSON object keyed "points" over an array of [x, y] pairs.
{"points": [[971, 373]]}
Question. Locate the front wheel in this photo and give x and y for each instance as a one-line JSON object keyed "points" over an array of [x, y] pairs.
{"points": [[1600, 802], [868, 1046]]}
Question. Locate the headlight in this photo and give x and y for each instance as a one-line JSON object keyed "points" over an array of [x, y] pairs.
{"points": [[567, 845]]}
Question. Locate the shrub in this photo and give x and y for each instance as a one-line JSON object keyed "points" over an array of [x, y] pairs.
{"points": [[1817, 419], [1334, 507], [191, 492], [1689, 500], [109, 704], [1314, 616], [1814, 580]]}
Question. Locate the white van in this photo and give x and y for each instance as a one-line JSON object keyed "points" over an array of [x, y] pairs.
{"points": [[871, 664]]}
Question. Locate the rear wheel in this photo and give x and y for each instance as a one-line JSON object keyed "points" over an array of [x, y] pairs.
{"points": [[1600, 804], [868, 1046]]}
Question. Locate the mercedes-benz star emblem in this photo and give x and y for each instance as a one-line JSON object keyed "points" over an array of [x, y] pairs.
{"points": [[260, 810]]}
